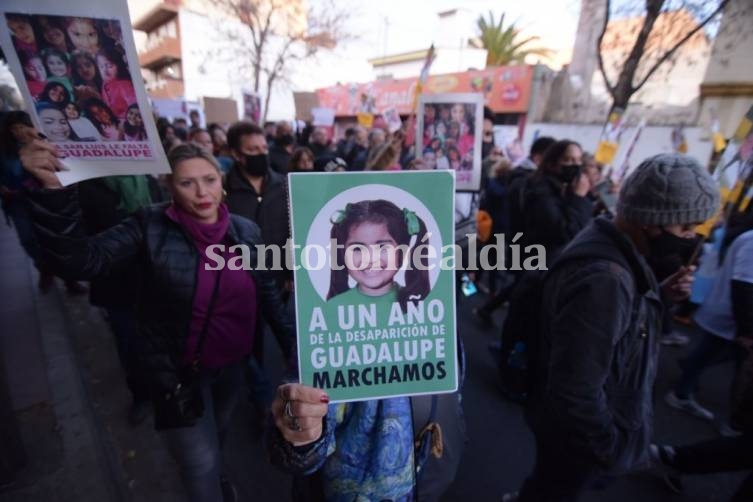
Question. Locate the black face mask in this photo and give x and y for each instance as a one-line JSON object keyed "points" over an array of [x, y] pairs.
{"points": [[286, 140], [255, 165], [569, 172], [668, 247], [486, 148]]}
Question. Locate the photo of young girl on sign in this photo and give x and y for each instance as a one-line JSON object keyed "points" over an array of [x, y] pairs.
{"points": [[367, 226], [376, 311]]}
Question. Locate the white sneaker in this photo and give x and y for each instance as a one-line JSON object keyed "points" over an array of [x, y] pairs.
{"points": [[675, 339], [689, 405]]}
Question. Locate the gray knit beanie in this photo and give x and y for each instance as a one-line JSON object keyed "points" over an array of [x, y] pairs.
{"points": [[668, 189]]}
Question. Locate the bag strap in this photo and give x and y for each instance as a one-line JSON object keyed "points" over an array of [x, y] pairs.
{"points": [[205, 325]]}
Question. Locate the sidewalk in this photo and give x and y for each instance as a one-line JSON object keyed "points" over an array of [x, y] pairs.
{"points": [[66, 459]]}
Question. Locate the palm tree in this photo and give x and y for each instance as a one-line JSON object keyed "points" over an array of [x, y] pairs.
{"points": [[502, 44]]}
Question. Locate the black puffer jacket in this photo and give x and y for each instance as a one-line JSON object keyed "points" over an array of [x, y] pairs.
{"points": [[99, 211], [169, 261], [552, 217]]}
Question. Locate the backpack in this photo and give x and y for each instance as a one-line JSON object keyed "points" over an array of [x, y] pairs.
{"points": [[521, 330]]}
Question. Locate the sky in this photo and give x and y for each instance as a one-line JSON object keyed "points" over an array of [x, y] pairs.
{"points": [[411, 26]]}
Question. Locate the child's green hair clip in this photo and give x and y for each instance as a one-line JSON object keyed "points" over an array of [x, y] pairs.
{"points": [[339, 215], [411, 221]]}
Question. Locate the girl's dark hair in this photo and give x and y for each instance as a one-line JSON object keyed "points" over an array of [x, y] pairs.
{"points": [[45, 96], [52, 22], [67, 21], [380, 211], [456, 150], [116, 56], [51, 51], [296, 157], [555, 152], [98, 102], [133, 130], [8, 143], [77, 78]]}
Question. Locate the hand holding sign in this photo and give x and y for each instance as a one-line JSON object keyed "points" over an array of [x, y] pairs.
{"points": [[299, 413], [40, 159]]}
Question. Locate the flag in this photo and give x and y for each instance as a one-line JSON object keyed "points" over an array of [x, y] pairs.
{"points": [[610, 137], [626, 162], [733, 173], [423, 76], [734, 167], [430, 56]]}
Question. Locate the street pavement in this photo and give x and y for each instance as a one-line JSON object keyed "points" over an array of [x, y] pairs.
{"points": [[498, 456]]}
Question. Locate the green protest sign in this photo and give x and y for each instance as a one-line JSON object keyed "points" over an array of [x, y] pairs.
{"points": [[374, 282]]}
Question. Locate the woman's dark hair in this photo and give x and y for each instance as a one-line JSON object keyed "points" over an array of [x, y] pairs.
{"points": [[133, 130], [541, 145], [554, 154], [45, 95], [117, 57], [77, 78], [380, 211], [297, 156], [8, 143], [89, 103], [162, 130]]}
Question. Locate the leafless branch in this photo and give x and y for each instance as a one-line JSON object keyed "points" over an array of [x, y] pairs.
{"points": [[603, 71], [671, 51]]}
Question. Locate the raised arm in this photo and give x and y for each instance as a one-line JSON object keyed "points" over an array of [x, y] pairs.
{"points": [[66, 248]]}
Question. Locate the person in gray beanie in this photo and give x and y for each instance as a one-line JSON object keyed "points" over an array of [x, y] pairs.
{"points": [[594, 356]]}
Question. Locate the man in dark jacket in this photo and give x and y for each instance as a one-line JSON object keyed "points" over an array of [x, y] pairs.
{"points": [[517, 177], [282, 148], [595, 355], [254, 190]]}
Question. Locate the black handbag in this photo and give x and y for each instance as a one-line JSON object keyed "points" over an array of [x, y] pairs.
{"points": [[184, 405]]}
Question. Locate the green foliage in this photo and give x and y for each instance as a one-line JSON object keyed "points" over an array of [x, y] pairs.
{"points": [[503, 44]]}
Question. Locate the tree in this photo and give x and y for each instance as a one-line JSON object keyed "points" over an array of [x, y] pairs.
{"points": [[503, 45], [275, 35], [655, 31]]}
